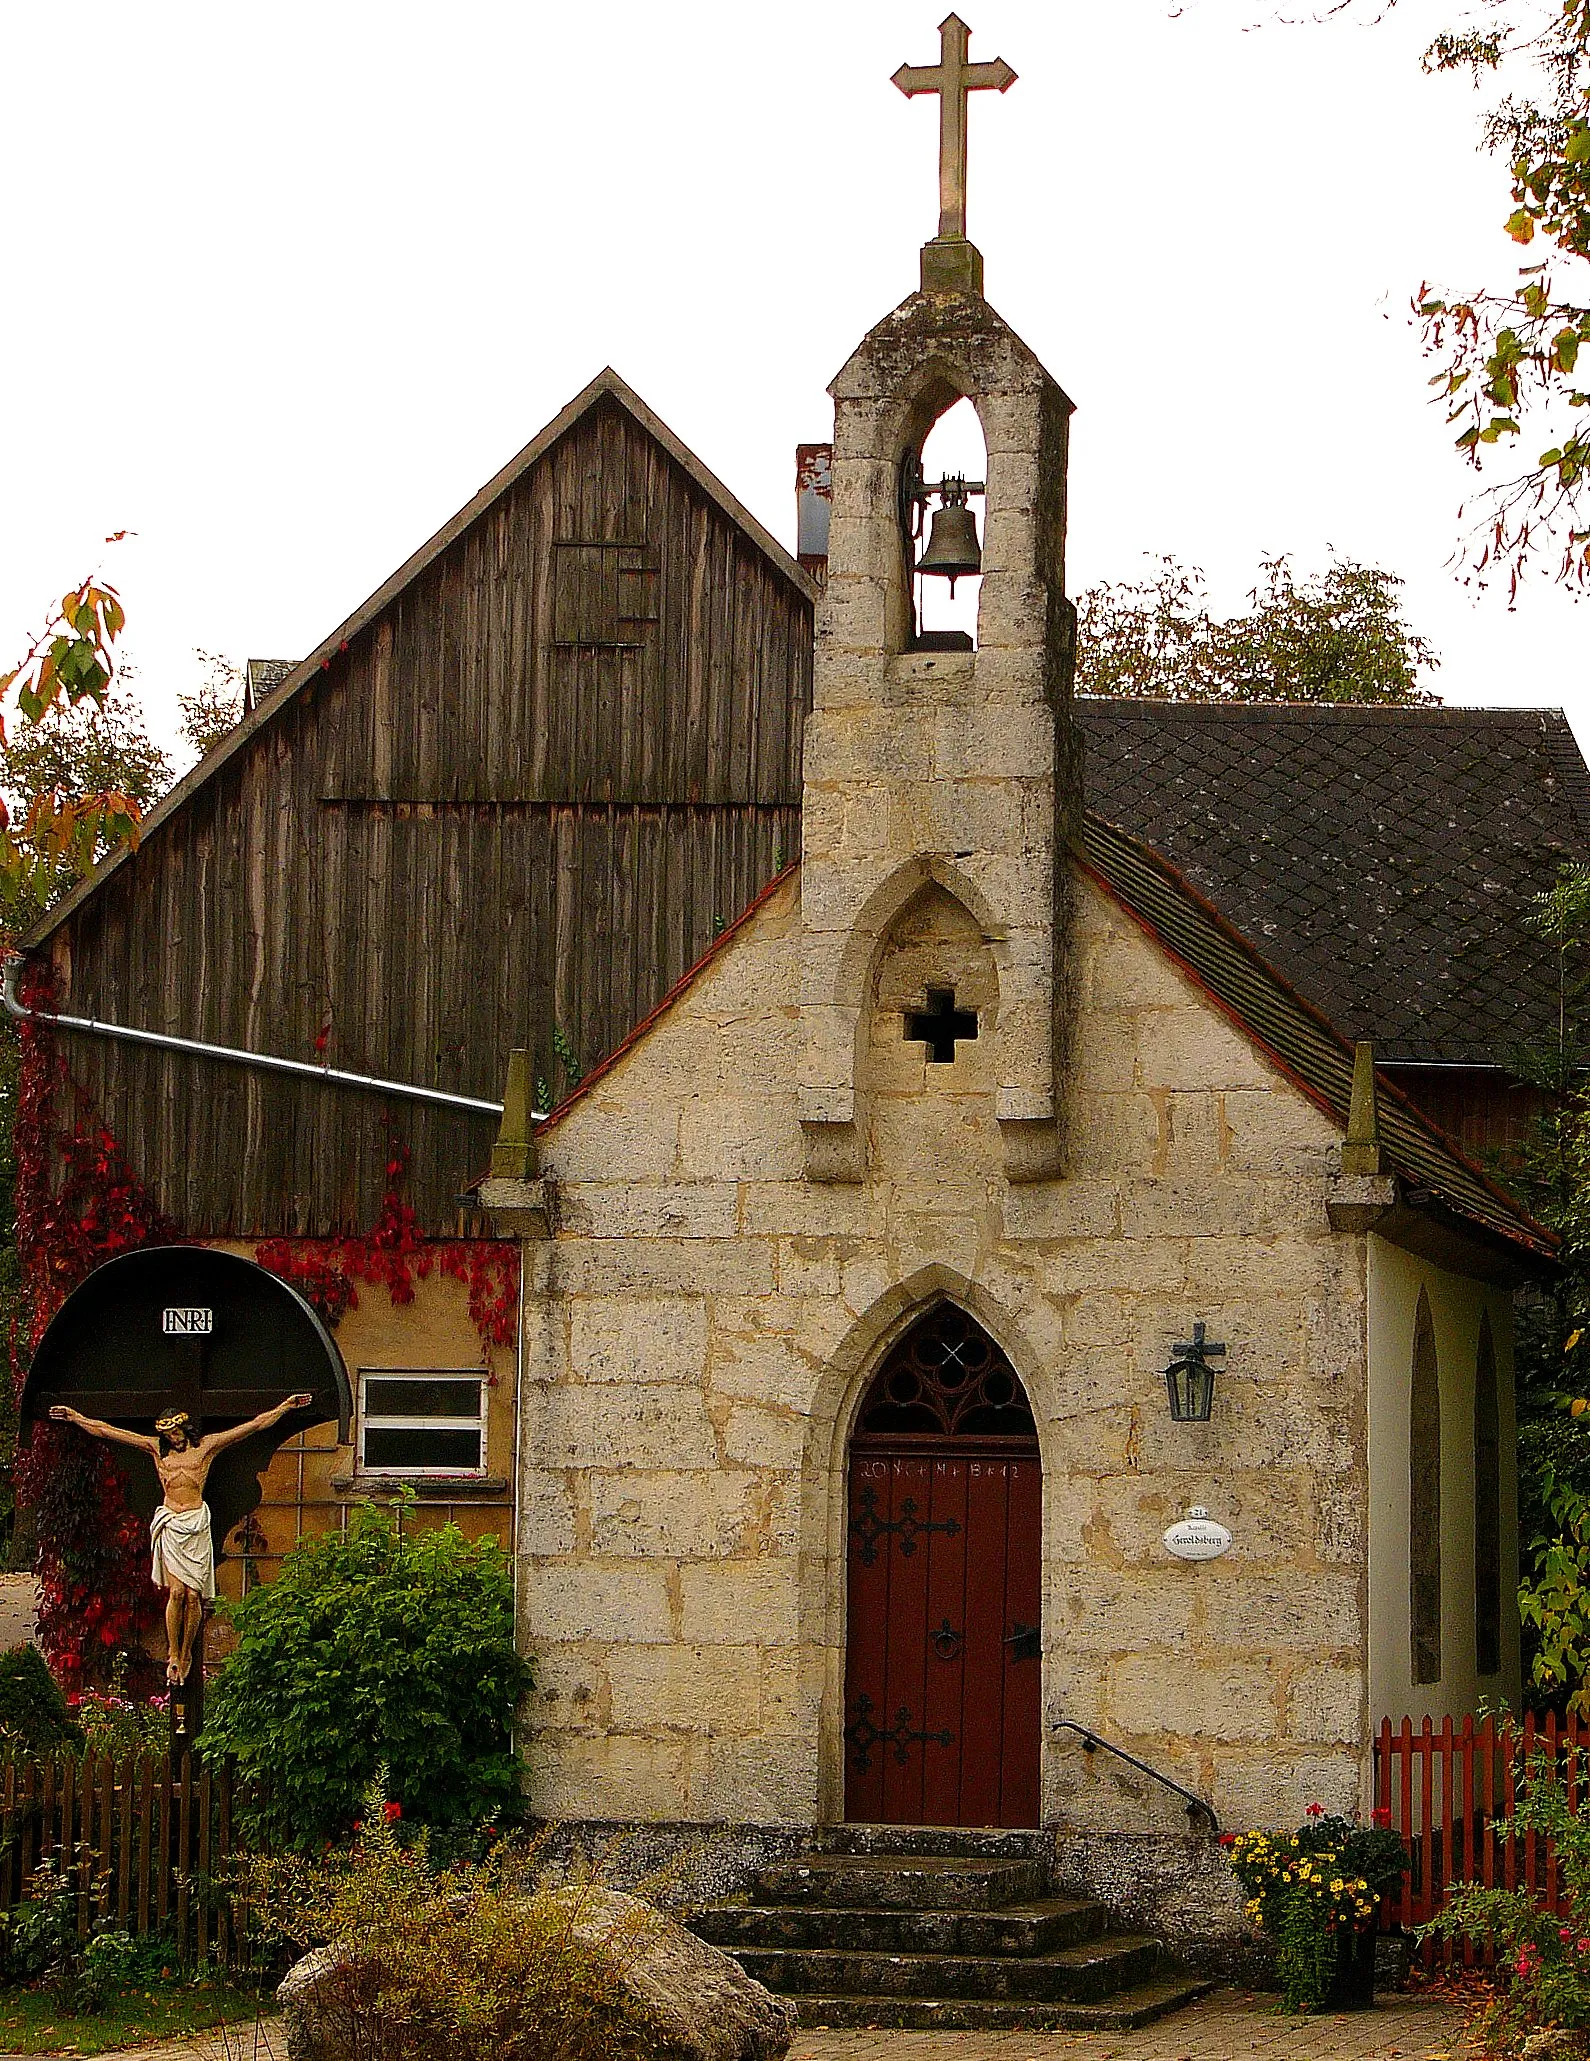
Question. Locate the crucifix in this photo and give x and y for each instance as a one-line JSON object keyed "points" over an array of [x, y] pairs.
{"points": [[953, 78], [195, 1361]]}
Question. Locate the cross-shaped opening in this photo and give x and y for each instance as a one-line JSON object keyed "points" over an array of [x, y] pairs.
{"points": [[939, 1025]]}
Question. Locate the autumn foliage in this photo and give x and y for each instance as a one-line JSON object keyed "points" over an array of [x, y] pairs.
{"points": [[70, 661]]}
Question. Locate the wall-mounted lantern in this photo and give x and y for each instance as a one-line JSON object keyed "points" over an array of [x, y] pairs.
{"points": [[1190, 1379]]}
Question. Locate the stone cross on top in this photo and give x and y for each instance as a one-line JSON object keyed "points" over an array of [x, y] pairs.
{"points": [[950, 264]]}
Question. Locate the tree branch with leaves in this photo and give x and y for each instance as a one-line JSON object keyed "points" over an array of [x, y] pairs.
{"points": [[60, 827], [1509, 361]]}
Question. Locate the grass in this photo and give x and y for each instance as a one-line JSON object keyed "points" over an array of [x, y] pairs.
{"points": [[32, 2022]]}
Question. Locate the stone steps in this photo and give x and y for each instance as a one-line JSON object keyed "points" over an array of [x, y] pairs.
{"points": [[1080, 1974], [1122, 2013], [924, 1926], [958, 1842], [911, 1882], [1041, 1927]]}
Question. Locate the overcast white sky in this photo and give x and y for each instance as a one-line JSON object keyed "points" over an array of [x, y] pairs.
{"points": [[285, 284]]}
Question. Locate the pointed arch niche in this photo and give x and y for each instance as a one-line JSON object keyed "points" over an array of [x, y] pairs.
{"points": [[933, 1011], [943, 1654], [1424, 1499], [925, 927]]}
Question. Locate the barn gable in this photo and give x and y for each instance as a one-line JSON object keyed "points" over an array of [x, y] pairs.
{"points": [[507, 803]]}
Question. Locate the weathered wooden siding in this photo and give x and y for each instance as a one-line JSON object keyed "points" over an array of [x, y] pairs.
{"points": [[458, 839]]}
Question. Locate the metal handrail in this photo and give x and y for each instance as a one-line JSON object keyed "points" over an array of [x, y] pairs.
{"points": [[1091, 1742]]}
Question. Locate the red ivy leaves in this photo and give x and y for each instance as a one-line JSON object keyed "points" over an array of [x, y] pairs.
{"points": [[95, 1596], [78, 1203], [393, 1255]]}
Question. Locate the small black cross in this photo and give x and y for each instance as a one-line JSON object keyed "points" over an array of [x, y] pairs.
{"points": [[939, 1025], [1198, 1348]]}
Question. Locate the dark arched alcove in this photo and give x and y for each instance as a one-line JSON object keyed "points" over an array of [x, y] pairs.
{"points": [[190, 1328]]}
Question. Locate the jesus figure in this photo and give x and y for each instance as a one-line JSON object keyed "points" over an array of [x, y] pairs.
{"points": [[184, 1553]]}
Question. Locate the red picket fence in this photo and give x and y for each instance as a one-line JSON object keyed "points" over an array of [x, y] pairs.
{"points": [[1447, 1787]]}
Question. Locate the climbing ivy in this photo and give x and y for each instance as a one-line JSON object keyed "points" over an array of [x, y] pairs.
{"points": [[78, 1203]]}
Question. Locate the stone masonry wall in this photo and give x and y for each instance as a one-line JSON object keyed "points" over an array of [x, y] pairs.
{"points": [[702, 1321]]}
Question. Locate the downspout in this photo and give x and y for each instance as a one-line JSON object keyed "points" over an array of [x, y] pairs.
{"points": [[514, 1487], [266, 1062]]}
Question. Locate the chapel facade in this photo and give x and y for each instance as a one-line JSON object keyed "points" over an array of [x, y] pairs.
{"points": [[851, 1283]]}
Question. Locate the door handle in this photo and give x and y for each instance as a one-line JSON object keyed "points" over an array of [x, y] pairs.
{"points": [[1025, 1642], [946, 1642]]}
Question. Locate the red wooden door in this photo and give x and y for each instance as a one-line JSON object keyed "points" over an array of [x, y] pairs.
{"points": [[942, 1712]]}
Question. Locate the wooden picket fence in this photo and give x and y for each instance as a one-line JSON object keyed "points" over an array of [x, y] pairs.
{"points": [[147, 1845], [1447, 1786]]}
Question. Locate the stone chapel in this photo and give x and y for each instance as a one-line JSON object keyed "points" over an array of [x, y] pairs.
{"points": [[852, 1278], [949, 1134]]}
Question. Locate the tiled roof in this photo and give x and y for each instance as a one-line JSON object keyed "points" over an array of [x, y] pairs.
{"points": [[1384, 860], [1297, 1036]]}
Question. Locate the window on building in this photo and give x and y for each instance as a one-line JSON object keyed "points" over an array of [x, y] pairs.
{"points": [[422, 1420], [1424, 1499], [602, 594], [1487, 1507]]}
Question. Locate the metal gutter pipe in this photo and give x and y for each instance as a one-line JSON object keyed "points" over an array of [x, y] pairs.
{"points": [[305, 1069]]}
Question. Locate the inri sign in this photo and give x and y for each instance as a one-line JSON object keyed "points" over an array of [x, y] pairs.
{"points": [[187, 1323]]}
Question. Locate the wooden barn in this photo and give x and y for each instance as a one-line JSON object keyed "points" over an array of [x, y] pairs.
{"points": [[506, 804]]}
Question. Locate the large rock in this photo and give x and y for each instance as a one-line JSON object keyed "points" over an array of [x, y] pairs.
{"points": [[687, 2001], [1553, 2044]]}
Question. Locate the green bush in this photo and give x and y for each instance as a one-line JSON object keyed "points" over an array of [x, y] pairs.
{"points": [[378, 1646], [40, 1943], [33, 1713]]}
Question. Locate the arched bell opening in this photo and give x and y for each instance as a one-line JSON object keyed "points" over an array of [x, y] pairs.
{"points": [[943, 495], [943, 1655]]}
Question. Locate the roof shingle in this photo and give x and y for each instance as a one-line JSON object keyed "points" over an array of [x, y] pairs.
{"points": [[1385, 860]]}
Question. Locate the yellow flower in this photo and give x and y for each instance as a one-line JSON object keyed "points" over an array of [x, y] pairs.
{"points": [[1336, 1886]]}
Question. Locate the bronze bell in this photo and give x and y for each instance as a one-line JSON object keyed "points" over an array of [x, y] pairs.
{"points": [[952, 547]]}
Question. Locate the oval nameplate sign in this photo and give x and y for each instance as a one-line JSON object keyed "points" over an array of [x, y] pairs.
{"points": [[1197, 1537]]}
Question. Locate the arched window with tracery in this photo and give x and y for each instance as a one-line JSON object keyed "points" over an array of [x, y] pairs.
{"points": [[1424, 1499], [1487, 1506], [946, 1379]]}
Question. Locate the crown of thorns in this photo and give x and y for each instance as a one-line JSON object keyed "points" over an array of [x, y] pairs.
{"points": [[175, 1420]]}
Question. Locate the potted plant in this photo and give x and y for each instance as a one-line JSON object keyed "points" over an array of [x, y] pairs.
{"points": [[1316, 1892]]}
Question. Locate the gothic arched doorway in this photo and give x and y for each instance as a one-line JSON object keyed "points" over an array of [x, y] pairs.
{"points": [[942, 1663]]}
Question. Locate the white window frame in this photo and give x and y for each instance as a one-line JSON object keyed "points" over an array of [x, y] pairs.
{"points": [[386, 1422]]}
